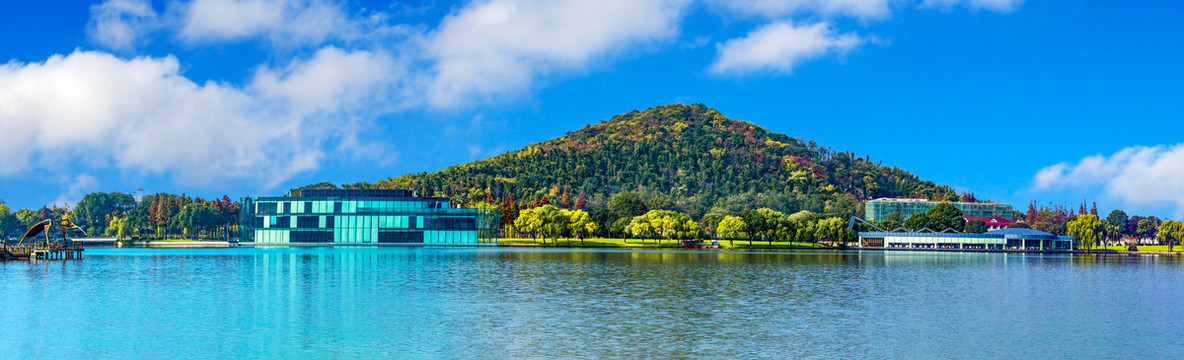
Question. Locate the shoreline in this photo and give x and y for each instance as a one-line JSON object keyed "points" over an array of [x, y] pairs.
{"points": [[224, 244]]}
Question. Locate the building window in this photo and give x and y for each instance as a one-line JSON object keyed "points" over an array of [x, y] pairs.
{"points": [[266, 208], [307, 221]]}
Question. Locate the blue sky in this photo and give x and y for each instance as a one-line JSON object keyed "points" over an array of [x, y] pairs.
{"points": [[1015, 100]]}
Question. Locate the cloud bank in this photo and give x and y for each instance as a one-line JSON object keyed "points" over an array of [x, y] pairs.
{"points": [[94, 109], [1150, 176], [490, 47], [330, 70]]}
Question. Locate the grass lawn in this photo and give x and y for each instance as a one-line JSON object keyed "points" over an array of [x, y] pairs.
{"points": [[1157, 248], [614, 242]]}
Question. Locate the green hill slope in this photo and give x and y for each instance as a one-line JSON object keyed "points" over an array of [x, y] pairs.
{"points": [[682, 157]]}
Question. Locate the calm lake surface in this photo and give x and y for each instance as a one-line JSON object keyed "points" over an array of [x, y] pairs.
{"points": [[571, 303]]}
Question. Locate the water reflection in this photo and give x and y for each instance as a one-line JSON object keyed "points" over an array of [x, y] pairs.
{"points": [[514, 303]]}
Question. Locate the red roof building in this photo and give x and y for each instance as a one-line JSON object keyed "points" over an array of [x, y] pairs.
{"points": [[993, 222]]}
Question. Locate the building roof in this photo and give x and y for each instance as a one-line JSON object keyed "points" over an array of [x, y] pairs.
{"points": [[990, 220], [357, 193], [1014, 233], [1021, 232]]}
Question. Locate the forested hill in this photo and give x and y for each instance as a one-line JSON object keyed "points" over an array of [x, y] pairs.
{"points": [[681, 157]]}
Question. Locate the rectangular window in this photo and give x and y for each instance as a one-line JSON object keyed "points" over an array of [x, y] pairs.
{"points": [[266, 208], [307, 221], [282, 221]]}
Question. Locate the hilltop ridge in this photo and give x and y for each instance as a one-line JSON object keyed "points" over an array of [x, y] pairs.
{"points": [[689, 158]]}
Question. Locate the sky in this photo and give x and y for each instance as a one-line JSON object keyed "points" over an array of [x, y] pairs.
{"points": [[1052, 101]]}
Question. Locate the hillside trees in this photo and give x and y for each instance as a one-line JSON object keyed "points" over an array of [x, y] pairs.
{"points": [[685, 158]]}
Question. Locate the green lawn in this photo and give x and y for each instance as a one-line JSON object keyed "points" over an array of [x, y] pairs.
{"points": [[1156, 248], [613, 242]]}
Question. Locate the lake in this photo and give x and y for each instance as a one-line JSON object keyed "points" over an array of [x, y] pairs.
{"points": [[325, 302]]}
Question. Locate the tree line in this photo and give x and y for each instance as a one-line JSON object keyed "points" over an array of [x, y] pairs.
{"points": [[629, 215], [120, 215]]}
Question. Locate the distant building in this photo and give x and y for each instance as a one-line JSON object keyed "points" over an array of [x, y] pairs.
{"points": [[1006, 239], [881, 209], [363, 217], [993, 222]]}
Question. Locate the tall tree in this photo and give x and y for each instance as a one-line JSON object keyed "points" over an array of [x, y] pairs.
{"points": [[582, 201], [1146, 228], [1119, 219]]}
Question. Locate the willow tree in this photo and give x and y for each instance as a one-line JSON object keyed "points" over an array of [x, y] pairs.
{"points": [[1085, 228], [1170, 231]]}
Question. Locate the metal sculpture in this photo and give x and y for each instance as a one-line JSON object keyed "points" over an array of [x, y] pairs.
{"points": [[66, 226]]}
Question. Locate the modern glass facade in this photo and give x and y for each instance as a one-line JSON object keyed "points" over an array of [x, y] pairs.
{"points": [[363, 217], [1006, 239], [880, 209]]}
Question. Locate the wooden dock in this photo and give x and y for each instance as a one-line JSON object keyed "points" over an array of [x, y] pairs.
{"points": [[43, 251]]}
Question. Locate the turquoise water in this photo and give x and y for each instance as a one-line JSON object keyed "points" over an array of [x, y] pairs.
{"points": [[562, 303]]}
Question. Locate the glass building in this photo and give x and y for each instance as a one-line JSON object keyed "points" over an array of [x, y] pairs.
{"points": [[363, 216], [881, 209], [1005, 239]]}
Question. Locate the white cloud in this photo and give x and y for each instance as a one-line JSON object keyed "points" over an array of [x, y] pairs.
{"points": [[142, 114], [500, 46], [780, 46], [1135, 175], [783, 8], [332, 81], [1001, 6], [119, 24], [283, 21]]}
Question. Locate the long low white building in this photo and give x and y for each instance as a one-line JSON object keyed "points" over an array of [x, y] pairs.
{"points": [[1004, 239]]}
